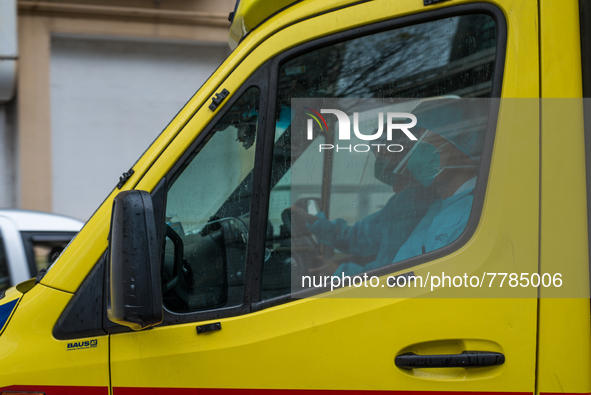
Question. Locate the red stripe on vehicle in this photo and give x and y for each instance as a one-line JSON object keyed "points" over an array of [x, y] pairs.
{"points": [[249, 391], [58, 389]]}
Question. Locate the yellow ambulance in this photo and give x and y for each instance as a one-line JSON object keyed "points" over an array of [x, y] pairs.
{"points": [[365, 197]]}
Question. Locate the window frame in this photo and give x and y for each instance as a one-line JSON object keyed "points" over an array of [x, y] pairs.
{"points": [[479, 191], [4, 259], [259, 79], [585, 37], [30, 237]]}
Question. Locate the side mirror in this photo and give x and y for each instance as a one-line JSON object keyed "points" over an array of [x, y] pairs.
{"points": [[135, 290]]}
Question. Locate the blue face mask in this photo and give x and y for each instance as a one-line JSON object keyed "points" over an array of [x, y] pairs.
{"points": [[424, 163]]}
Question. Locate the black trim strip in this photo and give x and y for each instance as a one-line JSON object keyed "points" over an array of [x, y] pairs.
{"points": [[585, 26], [83, 316], [585, 32]]}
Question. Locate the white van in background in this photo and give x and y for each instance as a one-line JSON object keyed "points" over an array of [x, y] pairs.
{"points": [[31, 241]]}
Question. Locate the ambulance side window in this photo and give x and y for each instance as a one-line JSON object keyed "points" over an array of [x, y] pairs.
{"points": [[364, 204], [208, 215], [43, 248]]}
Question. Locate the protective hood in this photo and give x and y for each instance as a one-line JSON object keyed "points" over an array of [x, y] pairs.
{"points": [[454, 120]]}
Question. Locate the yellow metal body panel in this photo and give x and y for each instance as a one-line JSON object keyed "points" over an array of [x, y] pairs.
{"points": [[31, 356], [342, 343], [347, 342], [334, 344], [564, 356]]}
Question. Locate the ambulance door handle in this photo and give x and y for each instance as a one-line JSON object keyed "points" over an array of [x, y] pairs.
{"points": [[473, 359]]}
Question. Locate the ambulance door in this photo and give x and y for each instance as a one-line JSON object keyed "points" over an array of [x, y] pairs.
{"points": [[242, 317]]}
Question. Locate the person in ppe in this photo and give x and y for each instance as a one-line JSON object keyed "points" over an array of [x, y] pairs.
{"points": [[434, 182], [375, 239], [446, 160]]}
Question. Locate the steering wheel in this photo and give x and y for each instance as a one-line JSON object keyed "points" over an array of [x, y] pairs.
{"points": [[177, 272]]}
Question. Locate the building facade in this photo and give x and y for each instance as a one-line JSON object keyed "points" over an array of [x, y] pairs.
{"points": [[96, 82]]}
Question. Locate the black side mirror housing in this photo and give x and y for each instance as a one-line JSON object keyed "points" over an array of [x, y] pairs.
{"points": [[135, 290]]}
